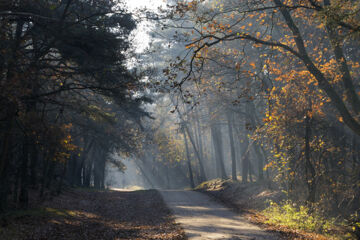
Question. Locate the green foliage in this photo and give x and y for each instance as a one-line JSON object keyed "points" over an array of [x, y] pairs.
{"points": [[354, 223], [297, 217]]}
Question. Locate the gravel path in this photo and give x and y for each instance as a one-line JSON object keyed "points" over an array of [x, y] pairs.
{"points": [[203, 218]]}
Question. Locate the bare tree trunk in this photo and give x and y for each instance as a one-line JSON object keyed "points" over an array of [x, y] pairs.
{"points": [[191, 177], [102, 166], [88, 169], [199, 150], [33, 165], [251, 171], [243, 152], [245, 160], [218, 147], [98, 168], [252, 121], [4, 166], [200, 138], [202, 170], [16, 186], [24, 195], [260, 161], [62, 178], [46, 161], [201, 166], [310, 171], [232, 146], [88, 145]]}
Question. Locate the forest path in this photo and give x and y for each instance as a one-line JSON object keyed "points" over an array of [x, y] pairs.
{"points": [[203, 218]]}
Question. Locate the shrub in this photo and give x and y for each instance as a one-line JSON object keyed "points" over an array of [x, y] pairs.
{"points": [[297, 217]]}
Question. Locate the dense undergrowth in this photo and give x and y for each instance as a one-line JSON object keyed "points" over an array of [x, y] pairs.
{"points": [[301, 217]]}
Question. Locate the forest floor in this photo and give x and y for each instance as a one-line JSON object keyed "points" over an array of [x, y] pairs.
{"points": [[89, 214], [249, 200]]}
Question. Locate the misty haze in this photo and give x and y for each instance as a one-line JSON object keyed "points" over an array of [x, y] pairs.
{"points": [[180, 119]]}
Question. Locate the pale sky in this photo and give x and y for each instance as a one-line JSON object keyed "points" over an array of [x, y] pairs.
{"points": [[141, 37], [152, 4]]}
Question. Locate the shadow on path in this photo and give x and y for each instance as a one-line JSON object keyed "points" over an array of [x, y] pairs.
{"points": [[202, 218], [81, 214]]}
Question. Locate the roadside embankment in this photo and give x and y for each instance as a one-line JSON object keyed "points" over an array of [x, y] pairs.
{"points": [[270, 209]]}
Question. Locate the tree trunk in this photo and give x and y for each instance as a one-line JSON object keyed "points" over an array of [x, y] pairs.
{"points": [[323, 82], [96, 171], [99, 169], [4, 166], [343, 66], [252, 120], [102, 171], [24, 195], [88, 169], [202, 170], [245, 160], [71, 169], [46, 161], [80, 167], [198, 135], [16, 186], [310, 171], [50, 174], [201, 166], [191, 177], [218, 147], [232, 146], [251, 172], [62, 178], [33, 165], [260, 161], [200, 138]]}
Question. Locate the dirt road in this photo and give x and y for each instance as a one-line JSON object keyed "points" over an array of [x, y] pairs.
{"points": [[202, 218]]}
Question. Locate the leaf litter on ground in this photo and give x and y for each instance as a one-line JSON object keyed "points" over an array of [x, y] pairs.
{"points": [[83, 214]]}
